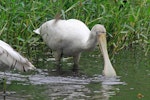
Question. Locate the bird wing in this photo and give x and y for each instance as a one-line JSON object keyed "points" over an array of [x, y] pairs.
{"points": [[13, 59], [72, 29]]}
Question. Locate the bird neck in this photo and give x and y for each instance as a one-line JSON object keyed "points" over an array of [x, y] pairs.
{"points": [[91, 42]]}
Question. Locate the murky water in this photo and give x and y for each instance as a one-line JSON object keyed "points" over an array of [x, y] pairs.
{"points": [[132, 83], [66, 88]]}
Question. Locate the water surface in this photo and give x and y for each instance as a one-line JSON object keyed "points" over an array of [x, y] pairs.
{"points": [[132, 83]]}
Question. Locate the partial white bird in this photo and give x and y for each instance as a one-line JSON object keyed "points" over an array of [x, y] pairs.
{"points": [[13, 59], [71, 37]]}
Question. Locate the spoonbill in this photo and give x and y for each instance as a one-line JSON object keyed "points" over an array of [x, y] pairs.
{"points": [[71, 37], [13, 59]]}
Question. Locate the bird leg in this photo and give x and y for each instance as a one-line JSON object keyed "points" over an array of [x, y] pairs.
{"points": [[58, 57], [76, 59]]}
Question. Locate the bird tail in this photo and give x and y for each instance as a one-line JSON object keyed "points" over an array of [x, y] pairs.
{"points": [[13, 59], [37, 31]]}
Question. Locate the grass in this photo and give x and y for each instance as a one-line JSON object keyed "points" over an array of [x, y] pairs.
{"points": [[126, 27]]}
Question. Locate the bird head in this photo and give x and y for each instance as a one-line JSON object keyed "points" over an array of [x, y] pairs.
{"points": [[99, 29]]}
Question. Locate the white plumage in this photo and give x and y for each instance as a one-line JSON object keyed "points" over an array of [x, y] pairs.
{"points": [[71, 37], [13, 59]]}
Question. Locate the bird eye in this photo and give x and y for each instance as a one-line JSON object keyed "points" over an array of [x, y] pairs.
{"points": [[98, 32]]}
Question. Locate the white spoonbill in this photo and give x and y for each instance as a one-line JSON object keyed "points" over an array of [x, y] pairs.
{"points": [[71, 37], [13, 59]]}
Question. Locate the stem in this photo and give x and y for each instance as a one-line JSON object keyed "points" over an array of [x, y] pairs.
{"points": [[4, 88]]}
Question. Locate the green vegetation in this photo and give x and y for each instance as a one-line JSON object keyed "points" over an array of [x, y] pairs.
{"points": [[126, 27]]}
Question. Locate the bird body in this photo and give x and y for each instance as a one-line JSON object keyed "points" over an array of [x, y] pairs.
{"points": [[70, 38], [64, 32], [13, 59]]}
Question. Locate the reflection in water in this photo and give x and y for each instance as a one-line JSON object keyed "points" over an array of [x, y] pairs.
{"points": [[105, 92], [67, 88], [67, 91], [107, 87]]}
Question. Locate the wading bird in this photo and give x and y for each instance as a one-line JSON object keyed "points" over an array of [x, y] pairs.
{"points": [[71, 37], [13, 59]]}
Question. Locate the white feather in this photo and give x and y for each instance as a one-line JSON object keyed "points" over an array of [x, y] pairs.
{"points": [[13, 59], [37, 31]]}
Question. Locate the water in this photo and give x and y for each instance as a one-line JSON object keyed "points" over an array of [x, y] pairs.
{"points": [[132, 83], [58, 87]]}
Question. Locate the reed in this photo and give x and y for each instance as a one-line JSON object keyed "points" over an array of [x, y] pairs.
{"points": [[127, 25]]}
